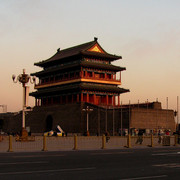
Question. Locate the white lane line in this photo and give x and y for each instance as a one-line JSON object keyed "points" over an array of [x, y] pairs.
{"points": [[31, 156], [110, 153], [164, 154], [16, 163], [170, 165], [148, 177], [46, 171]]}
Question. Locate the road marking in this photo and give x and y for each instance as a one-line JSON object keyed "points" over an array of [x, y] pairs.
{"points": [[170, 165], [47, 171], [148, 177], [108, 153], [165, 154], [16, 163], [30, 156], [160, 150]]}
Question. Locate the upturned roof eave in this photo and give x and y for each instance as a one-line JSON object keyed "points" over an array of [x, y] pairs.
{"points": [[81, 49], [109, 57], [84, 64], [82, 86], [77, 49], [95, 54]]}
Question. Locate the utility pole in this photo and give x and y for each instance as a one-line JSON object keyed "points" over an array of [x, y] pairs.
{"points": [[121, 120], [87, 110], [129, 117], [178, 113]]}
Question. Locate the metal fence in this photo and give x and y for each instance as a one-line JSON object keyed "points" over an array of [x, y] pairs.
{"points": [[43, 143]]}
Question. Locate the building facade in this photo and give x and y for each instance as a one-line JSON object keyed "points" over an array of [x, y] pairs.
{"points": [[83, 73]]}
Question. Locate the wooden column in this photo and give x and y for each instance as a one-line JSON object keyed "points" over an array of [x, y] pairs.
{"points": [[39, 102], [77, 97], [87, 100], [81, 97], [114, 100], [93, 75], [107, 100], [114, 76], [105, 76], [85, 74], [119, 100], [94, 98]]}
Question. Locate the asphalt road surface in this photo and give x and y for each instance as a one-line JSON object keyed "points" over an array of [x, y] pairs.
{"points": [[124, 164]]}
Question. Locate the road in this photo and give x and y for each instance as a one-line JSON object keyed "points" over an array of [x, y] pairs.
{"points": [[124, 164]]}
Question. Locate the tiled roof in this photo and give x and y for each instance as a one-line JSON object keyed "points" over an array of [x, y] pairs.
{"points": [[88, 64], [100, 87], [78, 87], [78, 50]]}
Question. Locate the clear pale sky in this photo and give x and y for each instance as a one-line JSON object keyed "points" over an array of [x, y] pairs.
{"points": [[146, 33]]}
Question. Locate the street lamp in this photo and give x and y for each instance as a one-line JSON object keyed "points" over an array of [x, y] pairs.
{"points": [[87, 110], [23, 79]]}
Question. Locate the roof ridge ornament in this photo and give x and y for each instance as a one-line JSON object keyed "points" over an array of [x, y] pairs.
{"points": [[95, 38], [58, 50]]}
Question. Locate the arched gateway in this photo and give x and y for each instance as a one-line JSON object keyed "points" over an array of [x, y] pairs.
{"points": [[49, 123]]}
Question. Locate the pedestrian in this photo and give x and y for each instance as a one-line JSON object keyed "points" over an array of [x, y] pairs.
{"points": [[167, 133], [140, 137], [119, 132], [159, 137], [107, 136]]}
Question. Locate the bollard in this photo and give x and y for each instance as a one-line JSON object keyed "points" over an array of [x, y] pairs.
{"points": [[44, 144], [103, 141], [10, 144], [128, 141], [175, 140], [152, 143], [75, 142]]}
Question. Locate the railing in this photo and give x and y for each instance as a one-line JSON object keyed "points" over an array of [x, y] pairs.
{"points": [[74, 78], [55, 81], [43, 143]]}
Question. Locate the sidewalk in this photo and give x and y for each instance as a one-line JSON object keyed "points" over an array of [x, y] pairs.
{"points": [[80, 143]]}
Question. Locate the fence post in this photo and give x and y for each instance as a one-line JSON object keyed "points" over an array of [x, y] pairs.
{"points": [[152, 141], [103, 141], [44, 144], [10, 144], [75, 142], [128, 141]]}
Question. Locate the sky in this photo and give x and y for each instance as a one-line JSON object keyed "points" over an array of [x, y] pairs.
{"points": [[146, 33]]}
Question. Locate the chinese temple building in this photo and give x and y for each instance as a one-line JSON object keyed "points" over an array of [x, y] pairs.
{"points": [[83, 73], [79, 89]]}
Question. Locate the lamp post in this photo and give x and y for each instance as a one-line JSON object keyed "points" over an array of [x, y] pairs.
{"points": [[23, 79], [87, 110]]}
